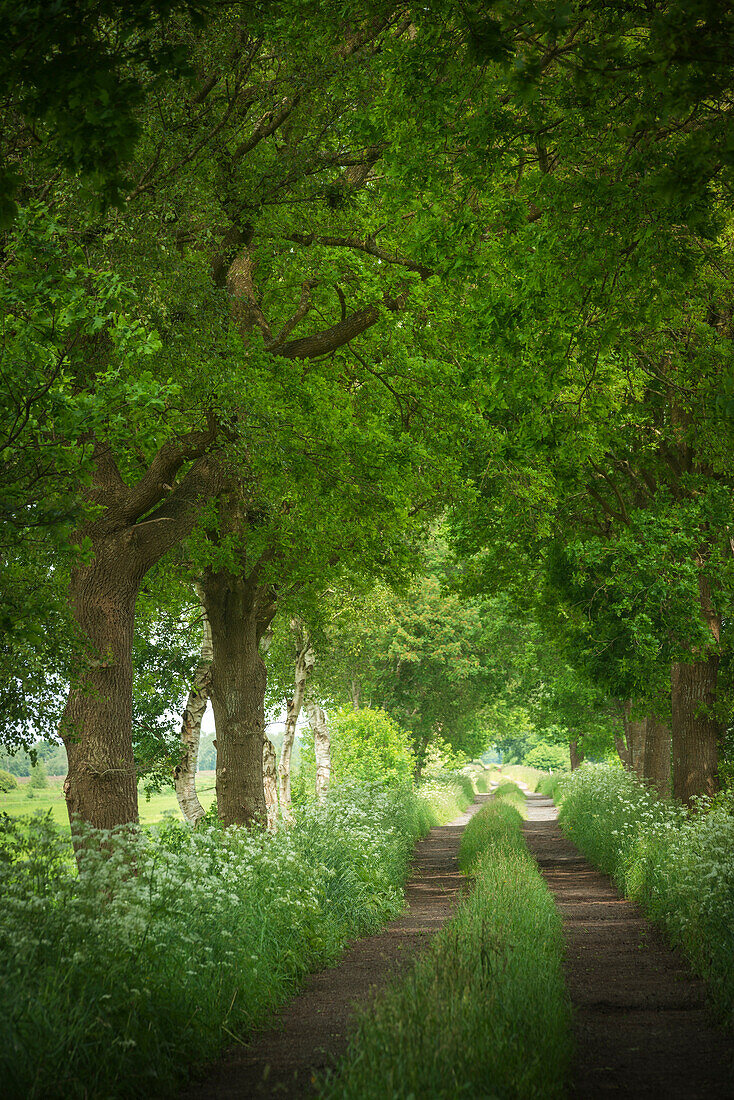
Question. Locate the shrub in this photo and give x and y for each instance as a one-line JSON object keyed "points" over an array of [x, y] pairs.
{"points": [[367, 746], [678, 866], [548, 757], [8, 782]]}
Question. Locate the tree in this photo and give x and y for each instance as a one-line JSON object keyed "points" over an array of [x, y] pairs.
{"points": [[209, 190]]}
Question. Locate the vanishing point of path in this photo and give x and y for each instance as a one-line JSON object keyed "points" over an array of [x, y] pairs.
{"points": [[641, 1026], [312, 1030]]}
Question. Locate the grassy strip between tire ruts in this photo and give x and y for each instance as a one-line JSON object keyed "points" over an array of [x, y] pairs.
{"points": [[484, 1010]]}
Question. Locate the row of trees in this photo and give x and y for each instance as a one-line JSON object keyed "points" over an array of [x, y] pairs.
{"points": [[284, 282]]}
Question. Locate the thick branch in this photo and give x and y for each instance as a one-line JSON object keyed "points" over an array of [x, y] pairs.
{"points": [[331, 339], [268, 124], [367, 245], [176, 517], [304, 306], [160, 475]]}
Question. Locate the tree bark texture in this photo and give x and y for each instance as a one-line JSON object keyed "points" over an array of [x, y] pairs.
{"points": [[623, 753], [304, 662], [101, 785], [657, 755], [322, 746], [136, 525], [270, 785], [184, 774], [635, 735], [695, 731], [239, 611], [576, 753]]}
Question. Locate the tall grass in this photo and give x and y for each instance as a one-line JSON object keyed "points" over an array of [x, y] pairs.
{"points": [[678, 866], [510, 793], [484, 1011], [552, 785], [529, 776], [442, 796], [167, 947]]}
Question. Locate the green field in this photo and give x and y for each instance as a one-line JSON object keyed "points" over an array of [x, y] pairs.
{"points": [[152, 810]]}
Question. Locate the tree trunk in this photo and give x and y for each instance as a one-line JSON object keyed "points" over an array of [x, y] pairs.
{"points": [[270, 785], [304, 663], [322, 746], [622, 750], [635, 735], [239, 611], [184, 774], [657, 755], [101, 785], [695, 731], [577, 754], [354, 693], [135, 526]]}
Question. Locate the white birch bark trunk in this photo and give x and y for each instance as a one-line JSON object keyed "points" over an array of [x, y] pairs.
{"points": [[270, 785], [322, 746], [305, 660], [184, 774]]}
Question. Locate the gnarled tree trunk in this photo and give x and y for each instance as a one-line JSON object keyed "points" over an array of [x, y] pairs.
{"points": [[136, 526], [322, 746], [184, 774], [695, 730], [304, 662], [657, 755], [239, 611]]}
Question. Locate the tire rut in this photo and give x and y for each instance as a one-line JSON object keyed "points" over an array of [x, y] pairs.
{"points": [[311, 1032], [642, 1028]]}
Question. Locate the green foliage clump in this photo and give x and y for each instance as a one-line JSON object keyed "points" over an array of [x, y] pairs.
{"points": [[547, 757], [225, 922], [367, 745], [8, 782], [678, 866], [484, 1011]]}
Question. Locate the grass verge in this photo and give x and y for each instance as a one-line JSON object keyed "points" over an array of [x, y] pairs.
{"points": [[171, 945], [484, 1012], [678, 866]]}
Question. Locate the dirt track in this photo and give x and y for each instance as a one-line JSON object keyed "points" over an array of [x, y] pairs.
{"points": [[642, 1029], [312, 1030]]}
